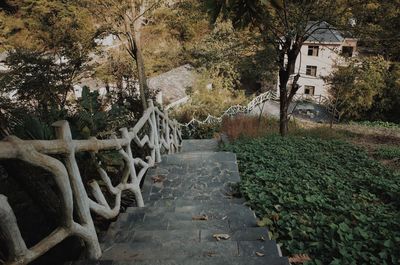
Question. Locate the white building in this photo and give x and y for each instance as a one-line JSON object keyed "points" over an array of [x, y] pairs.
{"points": [[319, 55]]}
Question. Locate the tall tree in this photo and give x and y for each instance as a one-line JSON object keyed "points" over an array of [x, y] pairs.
{"points": [[356, 86], [125, 20], [377, 27], [286, 24], [48, 44]]}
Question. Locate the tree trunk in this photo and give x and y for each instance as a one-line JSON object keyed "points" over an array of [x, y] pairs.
{"points": [[283, 119], [284, 103], [285, 95], [144, 90]]}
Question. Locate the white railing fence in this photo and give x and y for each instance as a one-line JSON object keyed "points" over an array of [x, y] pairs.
{"points": [[160, 134], [191, 126]]}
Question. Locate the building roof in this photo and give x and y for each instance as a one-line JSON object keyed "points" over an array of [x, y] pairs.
{"points": [[173, 84], [324, 32]]}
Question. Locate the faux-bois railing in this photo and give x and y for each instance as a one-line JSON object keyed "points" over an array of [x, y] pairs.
{"points": [[162, 134]]}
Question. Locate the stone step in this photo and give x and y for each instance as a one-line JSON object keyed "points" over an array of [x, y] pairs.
{"points": [[185, 202], [192, 235], [218, 215], [212, 209], [195, 261], [122, 229], [189, 249], [189, 159], [199, 145]]}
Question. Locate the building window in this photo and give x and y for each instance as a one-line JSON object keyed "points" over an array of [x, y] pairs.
{"points": [[313, 50], [347, 51], [309, 90], [311, 70]]}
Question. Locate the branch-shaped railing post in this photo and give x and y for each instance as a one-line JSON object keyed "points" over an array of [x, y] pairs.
{"points": [[10, 233], [176, 136], [80, 196], [73, 195], [167, 132], [154, 132]]}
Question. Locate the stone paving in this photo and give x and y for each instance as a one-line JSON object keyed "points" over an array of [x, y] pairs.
{"points": [[190, 200]]}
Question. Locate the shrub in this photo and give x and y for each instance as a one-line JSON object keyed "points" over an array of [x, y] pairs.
{"points": [[200, 131], [208, 101], [323, 198]]}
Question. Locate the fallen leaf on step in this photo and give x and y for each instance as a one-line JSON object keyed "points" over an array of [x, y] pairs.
{"points": [[202, 217], [223, 218], [261, 238], [158, 178], [218, 237], [259, 254], [302, 258], [211, 253]]}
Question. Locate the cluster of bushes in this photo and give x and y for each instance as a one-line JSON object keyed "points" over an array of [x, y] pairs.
{"points": [[323, 198]]}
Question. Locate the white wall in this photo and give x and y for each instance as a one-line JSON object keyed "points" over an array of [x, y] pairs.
{"points": [[328, 57], [325, 61]]}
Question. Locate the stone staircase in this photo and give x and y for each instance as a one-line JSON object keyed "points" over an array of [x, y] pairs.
{"points": [[189, 201]]}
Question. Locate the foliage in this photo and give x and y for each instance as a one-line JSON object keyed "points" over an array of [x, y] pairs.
{"points": [[378, 124], [388, 152], [37, 80], [377, 24], [356, 85], [125, 20], [206, 100], [89, 118], [63, 27], [387, 103], [30, 127], [323, 198], [201, 131], [285, 25], [233, 56], [116, 69]]}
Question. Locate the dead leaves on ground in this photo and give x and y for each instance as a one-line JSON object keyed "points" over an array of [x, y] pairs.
{"points": [[202, 217], [158, 179], [218, 237], [299, 258], [259, 254]]}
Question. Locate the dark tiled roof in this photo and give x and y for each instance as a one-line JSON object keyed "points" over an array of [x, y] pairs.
{"points": [[324, 32], [174, 83]]}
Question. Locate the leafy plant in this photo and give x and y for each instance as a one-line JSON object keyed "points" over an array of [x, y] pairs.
{"points": [[382, 124], [323, 198], [388, 152]]}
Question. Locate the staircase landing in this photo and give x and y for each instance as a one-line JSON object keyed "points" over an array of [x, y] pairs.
{"points": [[189, 199]]}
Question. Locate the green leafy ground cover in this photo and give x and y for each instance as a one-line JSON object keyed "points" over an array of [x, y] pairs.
{"points": [[381, 124], [388, 152], [324, 198]]}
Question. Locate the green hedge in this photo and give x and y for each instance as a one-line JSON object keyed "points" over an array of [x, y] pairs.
{"points": [[326, 199]]}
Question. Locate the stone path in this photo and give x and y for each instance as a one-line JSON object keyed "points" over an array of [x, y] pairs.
{"points": [[189, 201]]}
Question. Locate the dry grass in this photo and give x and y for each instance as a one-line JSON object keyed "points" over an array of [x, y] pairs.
{"points": [[248, 126]]}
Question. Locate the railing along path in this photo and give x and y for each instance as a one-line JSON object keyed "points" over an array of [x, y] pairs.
{"points": [[257, 101], [163, 135]]}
